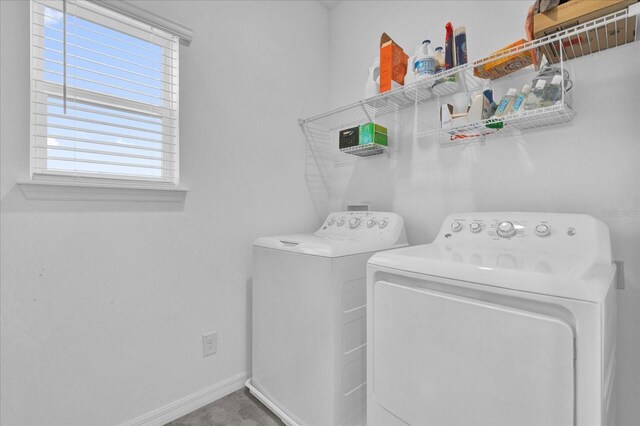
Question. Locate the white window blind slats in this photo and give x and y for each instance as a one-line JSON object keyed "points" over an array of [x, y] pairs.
{"points": [[152, 80], [87, 97], [106, 86], [80, 157], [53, 148], [129, 136], [80, 143], [107, 114], [104, 64], [102, 124], [109, 22], [71, 31], [104, 95]]}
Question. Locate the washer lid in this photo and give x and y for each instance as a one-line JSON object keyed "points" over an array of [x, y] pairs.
{"points": [[560, 274], [344, 234]]}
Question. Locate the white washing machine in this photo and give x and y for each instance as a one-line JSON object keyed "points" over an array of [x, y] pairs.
{"points": [[309, 323], [505, 319]]}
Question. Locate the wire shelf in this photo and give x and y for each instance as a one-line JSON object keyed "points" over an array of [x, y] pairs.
{"points": [[604, 33], [508, 125], [423, 90], [365, 150]]}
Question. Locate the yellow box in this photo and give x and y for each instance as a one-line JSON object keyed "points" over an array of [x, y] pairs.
{"points": [[505, 65]]}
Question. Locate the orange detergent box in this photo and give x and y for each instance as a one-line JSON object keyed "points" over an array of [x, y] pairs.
{"points": [[506, 64], [393, 64]]}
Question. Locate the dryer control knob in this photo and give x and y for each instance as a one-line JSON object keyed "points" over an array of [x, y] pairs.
{"points": [[371, 223], [506, 229], [383, 224], [331, 221], [456, 227], [354, 222], [341, 221], [543, 230], [475, 227]]}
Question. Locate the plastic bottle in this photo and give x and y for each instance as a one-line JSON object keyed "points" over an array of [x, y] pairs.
{"points": [[533, 98], [440, 64], [505, 105], [461, 45], [426, 61], [489, 106], [520, 98], [449, 53], [372, 87], [410, 76], [551, 92]]}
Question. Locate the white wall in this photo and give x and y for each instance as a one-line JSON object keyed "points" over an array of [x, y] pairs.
{"points": [[586, 168], [104, 304]]}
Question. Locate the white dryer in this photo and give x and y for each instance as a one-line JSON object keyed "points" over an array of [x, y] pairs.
{"points": [[309, 324], [505, 319]]}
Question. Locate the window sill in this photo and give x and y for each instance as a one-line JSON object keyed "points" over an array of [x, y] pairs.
{"points": [[78, 191]]}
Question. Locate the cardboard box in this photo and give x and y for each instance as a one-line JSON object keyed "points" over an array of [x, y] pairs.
{"points": [[393, 64], [373, 133], [576, 12], [505, 65]]}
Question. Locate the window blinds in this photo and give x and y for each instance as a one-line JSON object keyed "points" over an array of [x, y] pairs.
{"points": [[104, 95]]}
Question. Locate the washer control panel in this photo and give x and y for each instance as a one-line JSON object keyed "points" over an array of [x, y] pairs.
{"points": [[359, 223]]}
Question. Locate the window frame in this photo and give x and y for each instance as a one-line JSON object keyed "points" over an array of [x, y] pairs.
{"points": [[129, 25]]}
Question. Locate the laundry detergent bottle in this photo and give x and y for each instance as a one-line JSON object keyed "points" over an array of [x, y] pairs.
{"points": [[425, 64]]}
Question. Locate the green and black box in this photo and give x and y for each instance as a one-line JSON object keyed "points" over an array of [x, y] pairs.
{"points": [[349, 137], [373, 133]]}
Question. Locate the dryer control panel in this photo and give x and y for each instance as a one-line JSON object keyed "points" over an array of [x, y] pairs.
{"points": [[548, 232]]}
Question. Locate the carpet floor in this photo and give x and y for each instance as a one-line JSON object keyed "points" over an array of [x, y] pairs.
{"points": [[239, 408]]}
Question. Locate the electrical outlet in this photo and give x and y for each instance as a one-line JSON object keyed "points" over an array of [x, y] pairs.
{"points": [[209, 344]]}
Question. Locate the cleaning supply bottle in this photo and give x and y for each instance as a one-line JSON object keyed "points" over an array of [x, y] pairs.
{"points": [[440, 65], [425, 64], [489, 106], [461, 45], [372, 87], [449, 53], [410, 76], [533, 98], [505, 105], [517, 105], [551, 92]]}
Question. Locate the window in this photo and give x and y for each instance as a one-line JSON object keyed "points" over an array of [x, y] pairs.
{"points": [[104, 95]]}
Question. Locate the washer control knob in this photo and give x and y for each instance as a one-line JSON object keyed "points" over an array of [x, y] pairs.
{"points": [[456, 227], [383, 224], [341, 221], [354, 222], [370, 223], [543, 230], [475, 227], [331, 221], [506, 229]]}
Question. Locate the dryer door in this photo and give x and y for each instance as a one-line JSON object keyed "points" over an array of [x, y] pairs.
{"points": [[443, 359]]}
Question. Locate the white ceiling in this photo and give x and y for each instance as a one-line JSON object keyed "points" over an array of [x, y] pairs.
{"points": [[328, 3]]}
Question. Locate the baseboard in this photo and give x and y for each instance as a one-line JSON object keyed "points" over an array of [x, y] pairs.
{"points": [[179, 408]]}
